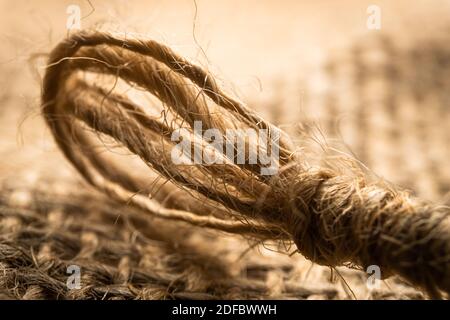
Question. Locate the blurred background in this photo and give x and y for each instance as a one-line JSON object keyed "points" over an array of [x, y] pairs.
{"points": [[381, 94], [384, 92]]}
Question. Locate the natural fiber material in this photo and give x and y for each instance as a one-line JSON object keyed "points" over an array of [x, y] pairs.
{"points": [[124, 253], [335, 215]]}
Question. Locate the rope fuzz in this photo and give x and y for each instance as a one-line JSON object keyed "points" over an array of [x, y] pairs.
{"points": [[334, 218]]}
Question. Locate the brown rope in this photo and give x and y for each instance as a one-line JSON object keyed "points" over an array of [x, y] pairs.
{"points": [[333, 217]]}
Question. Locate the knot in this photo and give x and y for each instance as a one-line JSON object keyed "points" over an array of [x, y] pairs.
{"points": [[303, 202]]}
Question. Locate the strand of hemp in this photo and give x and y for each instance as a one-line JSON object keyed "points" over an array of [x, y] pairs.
{"points": [[334, 218]]}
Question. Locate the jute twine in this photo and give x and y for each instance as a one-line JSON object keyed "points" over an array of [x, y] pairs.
{"points": [[335, 215]]}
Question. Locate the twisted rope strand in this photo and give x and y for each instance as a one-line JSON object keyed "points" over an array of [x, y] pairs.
{"points": [[334, 217]]}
